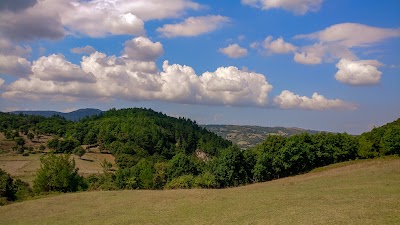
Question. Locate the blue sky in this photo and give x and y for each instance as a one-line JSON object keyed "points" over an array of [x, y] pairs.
{"points": [[329, 65]]}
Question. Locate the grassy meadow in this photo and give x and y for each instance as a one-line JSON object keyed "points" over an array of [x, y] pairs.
{"points": [[358, 192]]}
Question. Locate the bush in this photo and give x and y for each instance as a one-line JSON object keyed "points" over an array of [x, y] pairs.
{"points": [[205, 180], [22, 190], [58, 174], [42, 147], [103, 182], [182, 182], [79, 151], [6, 186]]}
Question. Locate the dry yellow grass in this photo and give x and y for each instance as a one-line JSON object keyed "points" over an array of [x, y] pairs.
{"points": [[25, 167], [362, 192]]}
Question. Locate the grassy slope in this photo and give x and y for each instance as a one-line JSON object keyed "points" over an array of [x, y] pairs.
{"points": [[363, 192]]}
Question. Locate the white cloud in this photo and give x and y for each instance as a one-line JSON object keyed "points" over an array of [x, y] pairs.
{"points": [[362, 72], [83, 50], [234, 51], [307, 58], [101, 76], [155, 9], [10, 48], [278, 46], [1, 82], [352, 34], [337, 41], [56, 68], [92, 20], [193, 26], [232, 86], [289, 100], [143, 49], [14, 65], [53, 19], [12, 58], [298, 7]]}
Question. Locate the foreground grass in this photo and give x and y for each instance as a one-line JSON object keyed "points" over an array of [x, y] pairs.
{"points": [[362, 192]]}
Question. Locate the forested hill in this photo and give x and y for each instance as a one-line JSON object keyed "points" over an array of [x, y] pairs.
{"points": [[249, 136], [129, 134], [73, 116], [384, 140], [144, 132], [153, 150]]}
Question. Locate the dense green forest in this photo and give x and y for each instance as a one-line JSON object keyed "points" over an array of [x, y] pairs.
{"points": [[155, 151]]}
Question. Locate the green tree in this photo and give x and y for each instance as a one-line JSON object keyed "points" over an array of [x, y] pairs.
{"points": [[57, 174], [180, 165], [19, 141], [30, 136], [6, 186], [79, 151], [391, 140], [229, 169]]}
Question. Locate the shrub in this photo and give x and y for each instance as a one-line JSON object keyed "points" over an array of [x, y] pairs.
{"points": [[42, 147], [58, 174], [22, 189], [205, 180], [182, 182], [79, 151], [6, 186]]}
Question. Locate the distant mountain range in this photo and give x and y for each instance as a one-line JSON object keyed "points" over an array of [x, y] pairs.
{"points": [[249, 136], [73, 116]]}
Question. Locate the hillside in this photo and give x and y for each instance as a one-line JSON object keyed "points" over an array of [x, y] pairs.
{"points": [[358, 192], [72, 116], [249, 136]]}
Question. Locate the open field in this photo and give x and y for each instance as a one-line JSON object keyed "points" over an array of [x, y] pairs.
{"points": [[359, 192], [25, 167]]}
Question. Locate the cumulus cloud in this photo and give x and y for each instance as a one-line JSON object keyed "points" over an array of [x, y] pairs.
{"points": [[336, 42], [289, 100], [155, 9], [83, 50], [193, 26], [87, 19], [52, 19], [12, 58], [278, 46], [143, 49], [57, 68], [135, 79], [233, 86], [362, 72], [234, 51], [298, 7], [14, 65], [1, 82]]}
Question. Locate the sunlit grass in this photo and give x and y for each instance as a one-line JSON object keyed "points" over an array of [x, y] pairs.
{"points": [[358, 192]]}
